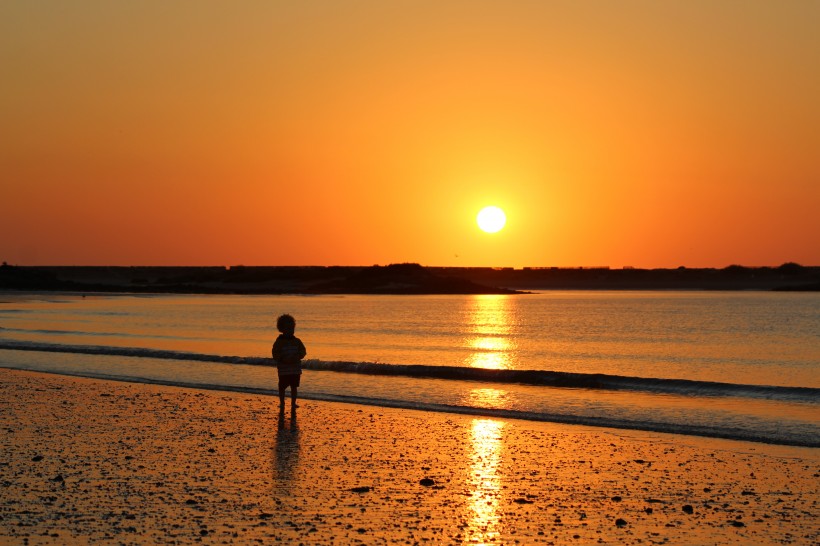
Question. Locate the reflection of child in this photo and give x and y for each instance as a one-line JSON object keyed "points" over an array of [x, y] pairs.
{"points": [[288, 352]]}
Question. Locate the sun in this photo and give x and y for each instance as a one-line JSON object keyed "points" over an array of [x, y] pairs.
{"points": [[491, 219]]}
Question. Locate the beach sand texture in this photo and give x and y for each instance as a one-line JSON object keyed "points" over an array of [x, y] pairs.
{"points": [[84, 461]]}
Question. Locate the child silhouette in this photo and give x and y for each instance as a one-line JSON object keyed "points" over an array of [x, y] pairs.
{"points": [[288, 352]]}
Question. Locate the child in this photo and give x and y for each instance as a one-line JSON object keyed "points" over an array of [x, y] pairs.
{"points": [[288, 352]]}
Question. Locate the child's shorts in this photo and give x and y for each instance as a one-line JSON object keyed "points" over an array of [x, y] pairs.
{"points": [[291, 381]]}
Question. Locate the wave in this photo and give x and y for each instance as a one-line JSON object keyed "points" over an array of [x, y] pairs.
{"points": [[595, 381], [543, 378]]}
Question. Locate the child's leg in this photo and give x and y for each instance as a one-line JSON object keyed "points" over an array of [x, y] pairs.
{"points": [[282, 387], [294, 385]]}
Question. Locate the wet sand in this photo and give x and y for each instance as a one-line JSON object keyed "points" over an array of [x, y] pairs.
{"points": [[85, 461]]}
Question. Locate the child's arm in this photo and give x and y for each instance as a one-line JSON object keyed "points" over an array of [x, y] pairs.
{"points": [[276, 351]]}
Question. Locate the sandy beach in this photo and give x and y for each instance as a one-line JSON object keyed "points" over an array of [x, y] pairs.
{"points": [[85, 461]]}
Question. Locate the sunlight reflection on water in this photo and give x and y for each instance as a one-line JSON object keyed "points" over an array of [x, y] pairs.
{"points": [[488, 398], [491, 324]]}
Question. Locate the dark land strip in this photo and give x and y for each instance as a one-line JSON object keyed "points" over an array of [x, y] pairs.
{"points": [[405, 278]]}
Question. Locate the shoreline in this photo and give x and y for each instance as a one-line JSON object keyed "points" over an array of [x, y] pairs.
{"points": [[483, 412], [88, 460]]}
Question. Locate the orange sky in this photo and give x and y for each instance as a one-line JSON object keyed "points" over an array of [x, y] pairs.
{"points": [[641, 133]]}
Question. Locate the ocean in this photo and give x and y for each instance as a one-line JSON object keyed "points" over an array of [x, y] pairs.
{"points": [[736, 365]]}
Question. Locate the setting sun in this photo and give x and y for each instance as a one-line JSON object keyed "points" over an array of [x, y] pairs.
{"points": [[491, 219]]}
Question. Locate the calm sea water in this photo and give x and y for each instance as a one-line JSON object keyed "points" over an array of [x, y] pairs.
{"points": [[734, 365]]}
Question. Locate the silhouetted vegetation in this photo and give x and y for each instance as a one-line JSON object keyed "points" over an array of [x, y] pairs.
{"points": [[406, 278], [403, 278], [791, 268]]}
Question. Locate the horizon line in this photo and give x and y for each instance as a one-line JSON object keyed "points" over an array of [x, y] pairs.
{"points": [[498, 268]]}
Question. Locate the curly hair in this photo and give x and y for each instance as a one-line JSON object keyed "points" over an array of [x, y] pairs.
{"points": [[286, 324]]}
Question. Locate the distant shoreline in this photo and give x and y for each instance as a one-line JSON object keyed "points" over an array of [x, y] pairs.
{"points": [[397, 279]]}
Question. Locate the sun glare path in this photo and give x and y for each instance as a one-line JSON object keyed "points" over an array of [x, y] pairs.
{"points": [[485, 481], [490, 319]]}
